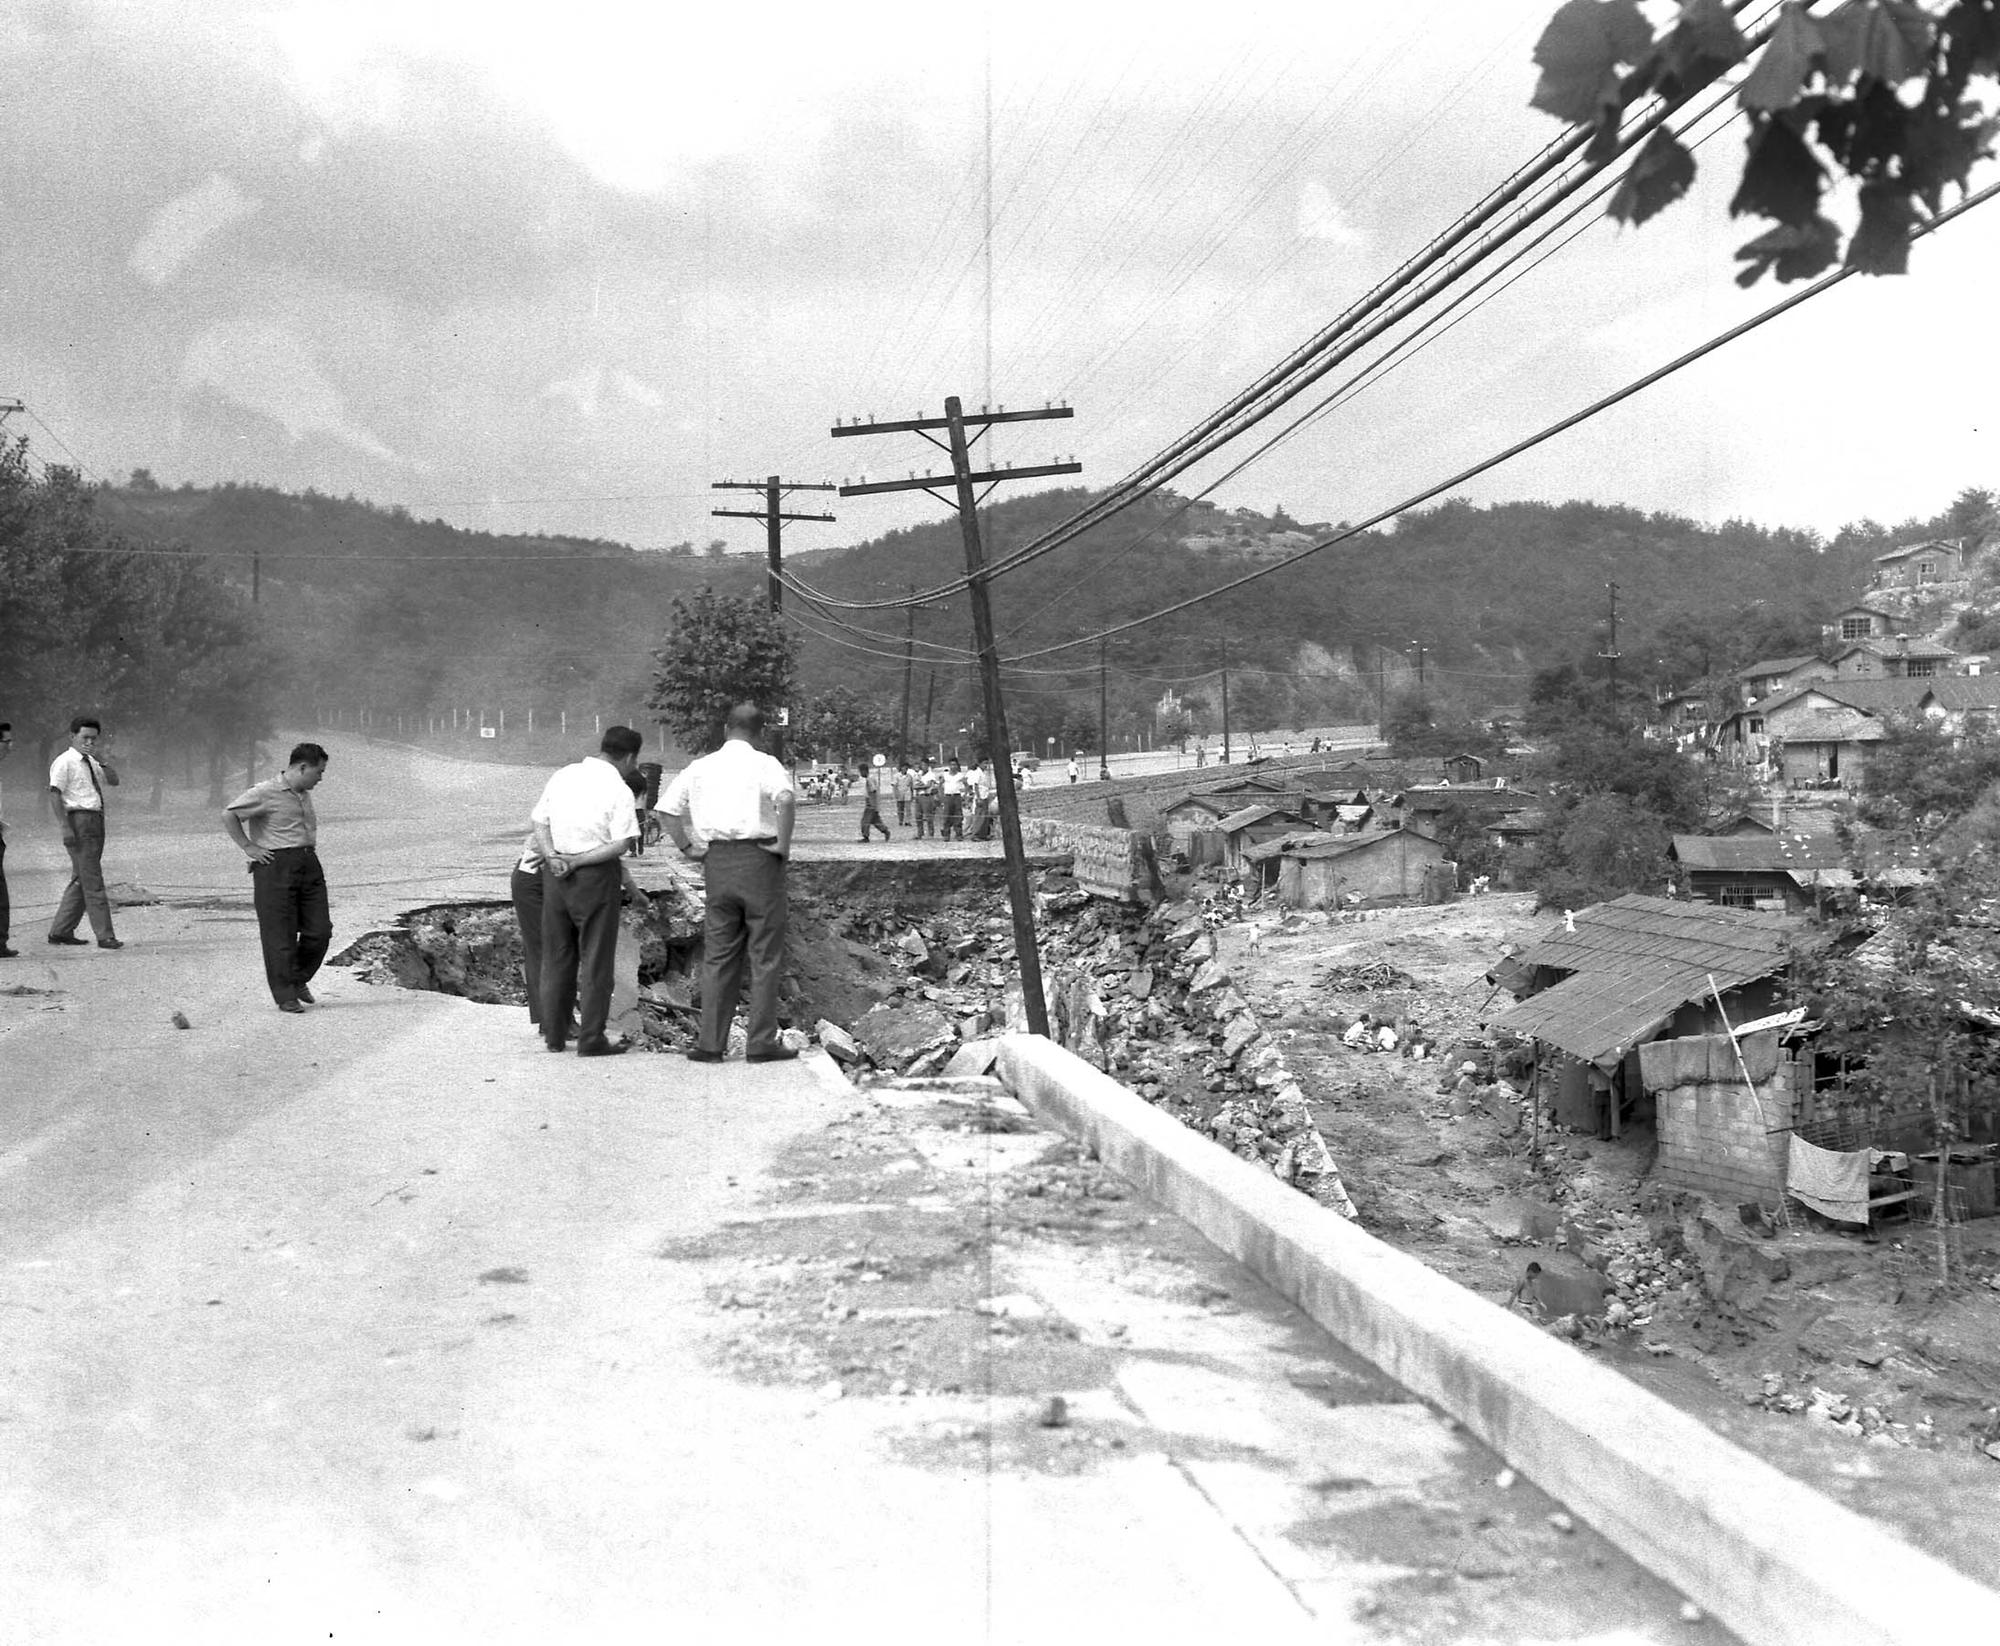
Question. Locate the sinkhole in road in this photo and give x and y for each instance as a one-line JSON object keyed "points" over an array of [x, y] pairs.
{"points": [[473, 949]]}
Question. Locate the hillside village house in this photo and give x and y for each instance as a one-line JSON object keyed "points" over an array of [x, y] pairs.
{"points": [[1772, 675], [1922, 565], [1863, 623], [1899, 659]]}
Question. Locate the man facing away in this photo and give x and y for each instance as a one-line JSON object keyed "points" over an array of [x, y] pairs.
{"points": [[6, 908], [584, 823], [274, 824], [733, 810], [77, 778]]}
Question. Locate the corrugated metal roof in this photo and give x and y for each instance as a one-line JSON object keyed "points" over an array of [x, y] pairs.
{"points": [[1637, 960], [1774, 665], [1253, 814], [1340, 845]]}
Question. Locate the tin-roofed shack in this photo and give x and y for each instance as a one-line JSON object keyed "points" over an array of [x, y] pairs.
{"points": [[1322, 871], [1650, 972]]}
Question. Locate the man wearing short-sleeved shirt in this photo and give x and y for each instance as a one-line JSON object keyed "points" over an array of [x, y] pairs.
{"points": [[274, 823], [733, 810], [583, 823], [77, 781]]}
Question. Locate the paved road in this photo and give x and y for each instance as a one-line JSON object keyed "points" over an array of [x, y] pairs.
{"points": [[380, 1324]]}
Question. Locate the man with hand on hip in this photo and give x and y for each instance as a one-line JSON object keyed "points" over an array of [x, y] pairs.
{"points": [[274, 824], [76, 795], [584, 823], [733, 810]]}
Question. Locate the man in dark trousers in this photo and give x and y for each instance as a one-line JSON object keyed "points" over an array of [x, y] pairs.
{"points": [[6, 909], [584, 823], [871, 799], [77, 780], [733, 810], [274, 824]]}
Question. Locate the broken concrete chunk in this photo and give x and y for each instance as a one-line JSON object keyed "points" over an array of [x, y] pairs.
{"points": [[912, 943], [1237, 1035], [895, 1036], [837, 1041], [976, 1057], [1202, 949], [1140, 983], [1209, 976]]}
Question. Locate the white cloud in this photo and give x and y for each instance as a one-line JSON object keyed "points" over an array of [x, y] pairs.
{"points": [[1321, 218], [184, 225], [268, 368]]}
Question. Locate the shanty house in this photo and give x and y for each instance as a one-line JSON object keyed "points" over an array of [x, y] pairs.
{"points": [[1756, 870], [1921, 565], [1252, 826], [1863, 623], [1192, 812], [1374, 866], [1639, 970], [1463, 768], [1771, 675]]}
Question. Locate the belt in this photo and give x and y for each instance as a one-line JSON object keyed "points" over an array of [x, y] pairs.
{"points": [[757, 840]]}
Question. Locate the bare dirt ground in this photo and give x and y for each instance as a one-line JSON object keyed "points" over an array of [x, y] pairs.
{"points": [[1835, 1359]]}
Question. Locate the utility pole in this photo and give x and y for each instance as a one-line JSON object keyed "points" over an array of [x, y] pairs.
{"points": [[1225, 702], [1611, 655], [1103, 717], [1420, 663], [962, 480], [774, 518], [930, 701], [256, 575]]}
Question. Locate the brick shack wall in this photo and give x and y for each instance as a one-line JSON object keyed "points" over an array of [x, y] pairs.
{"points": [[1717, 1138]]}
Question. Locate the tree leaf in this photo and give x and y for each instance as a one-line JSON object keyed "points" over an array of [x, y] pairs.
{"points": [[1896, 40], [1880, 123], [1881, 243], [1785, 64], [1704, 43], [1791, 251], [1942, 146], [1841, 32], [1781, 177], [1579, 54], [1973, 27], [1660, 174]]}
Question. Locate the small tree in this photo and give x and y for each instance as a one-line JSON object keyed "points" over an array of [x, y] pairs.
{"points": [[722, 650], [842, 726]]}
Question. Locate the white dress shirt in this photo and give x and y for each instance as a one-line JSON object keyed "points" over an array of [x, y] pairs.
{"points": [[585, 806], [732, 794], [71, 772]]}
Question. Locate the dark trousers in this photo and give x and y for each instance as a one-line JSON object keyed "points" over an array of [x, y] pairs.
{"points": [[871, 818], [744, 890], [84, 841], [526, 889], [579, 949], [902, 813], [293, 922], [926, 816], [954, 817], [6, 908]]}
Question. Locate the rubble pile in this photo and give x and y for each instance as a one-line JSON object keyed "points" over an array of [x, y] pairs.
{"points": [[1137, 993], [1839, 1411]]}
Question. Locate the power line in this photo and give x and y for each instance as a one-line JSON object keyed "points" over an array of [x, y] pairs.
{"points": [[1602, 404]]}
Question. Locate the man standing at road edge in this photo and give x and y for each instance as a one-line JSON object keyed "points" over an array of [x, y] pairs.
{"points": [[734, 810], [6, 908], [274, 824], [76, 795], [584, 823]]}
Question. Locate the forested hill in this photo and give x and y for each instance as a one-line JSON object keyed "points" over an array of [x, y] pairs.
{"points": [[374, 609], [1491, 594], [377, 609]]}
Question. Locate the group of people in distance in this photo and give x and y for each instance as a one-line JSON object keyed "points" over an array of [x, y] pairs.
{"points": [[951, 801]]}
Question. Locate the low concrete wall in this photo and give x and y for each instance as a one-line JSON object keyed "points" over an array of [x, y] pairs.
{"points": [[1771, 1558], [1105, 861]]}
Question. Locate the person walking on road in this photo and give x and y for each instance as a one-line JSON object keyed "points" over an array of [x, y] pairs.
{"points": [[952, 788], [733, 810], [274, 825], [903, 789], [584, 823], [871, 799], [76, 795], [6, 908]]}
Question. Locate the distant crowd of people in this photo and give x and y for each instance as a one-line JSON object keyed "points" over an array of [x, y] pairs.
{"points": [[940, 801]]}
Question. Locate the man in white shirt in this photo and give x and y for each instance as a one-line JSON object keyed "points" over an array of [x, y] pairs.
{"points": [[952, 789], [733, 810], [77, 778], [6, 909], [584, 823]]}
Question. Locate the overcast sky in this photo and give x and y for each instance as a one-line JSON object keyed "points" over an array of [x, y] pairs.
{"points": [[560, 266]]}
